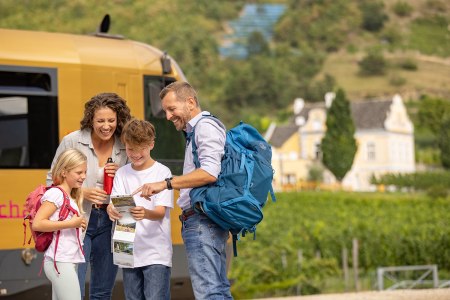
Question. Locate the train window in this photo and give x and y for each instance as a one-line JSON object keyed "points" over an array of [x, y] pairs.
{"points": [[28, 117], [169, 145]]}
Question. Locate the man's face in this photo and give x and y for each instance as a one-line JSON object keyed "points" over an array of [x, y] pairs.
{"points": [[177, 111]]}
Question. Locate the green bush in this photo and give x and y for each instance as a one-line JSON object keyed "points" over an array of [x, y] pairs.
{"points": [[408, 64], [392, 36], [373, 64], [437, 191], [396, 80], [402, 9], [420, 181]]}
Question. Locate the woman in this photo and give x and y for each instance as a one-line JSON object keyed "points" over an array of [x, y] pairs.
{"points": [[98, 138]]}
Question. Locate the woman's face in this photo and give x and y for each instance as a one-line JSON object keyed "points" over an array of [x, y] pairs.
{"points": [[104, 123]]}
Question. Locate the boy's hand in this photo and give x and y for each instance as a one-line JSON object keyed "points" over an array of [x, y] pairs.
{"points": [[113, 214], [138, 213]]}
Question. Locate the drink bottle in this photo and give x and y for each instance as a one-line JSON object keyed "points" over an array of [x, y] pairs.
{"points": [[107, 180]]}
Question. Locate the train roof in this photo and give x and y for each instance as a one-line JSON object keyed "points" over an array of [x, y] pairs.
{"points": [[37, 48]]}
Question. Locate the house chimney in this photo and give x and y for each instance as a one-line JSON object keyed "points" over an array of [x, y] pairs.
{"points": [[299, 103], [329, 97]]}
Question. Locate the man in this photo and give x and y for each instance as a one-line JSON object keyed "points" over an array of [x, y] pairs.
{"points": [[204, 240]]}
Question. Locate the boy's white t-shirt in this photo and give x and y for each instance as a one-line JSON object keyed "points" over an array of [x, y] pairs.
{"points": [[68, 247], [152, 242]]}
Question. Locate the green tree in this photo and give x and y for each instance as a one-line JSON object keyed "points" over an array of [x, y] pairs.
{"points": [[257, 44], [338, 144], [431, 113], [373, 15]]}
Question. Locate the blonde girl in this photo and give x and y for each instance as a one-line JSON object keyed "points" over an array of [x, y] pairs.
{"points": [[68, 175]]}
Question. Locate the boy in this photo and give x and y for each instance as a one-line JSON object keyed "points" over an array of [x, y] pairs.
{"points": [[150, 277]]}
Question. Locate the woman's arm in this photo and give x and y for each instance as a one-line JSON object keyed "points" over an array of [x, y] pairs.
{"points": [[42, 221]]}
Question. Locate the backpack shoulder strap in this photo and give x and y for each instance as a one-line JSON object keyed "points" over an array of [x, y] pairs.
{"points": [[66, 208], [191, 136]]}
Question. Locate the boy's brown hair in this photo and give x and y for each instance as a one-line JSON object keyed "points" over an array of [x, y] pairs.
{"points": [[138, 133]]}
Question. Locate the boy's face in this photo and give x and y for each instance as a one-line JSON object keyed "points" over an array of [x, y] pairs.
{"points": [[139, 155]]}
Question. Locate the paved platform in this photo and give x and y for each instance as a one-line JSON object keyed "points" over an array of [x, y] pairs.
{"points": [[428, 294]]}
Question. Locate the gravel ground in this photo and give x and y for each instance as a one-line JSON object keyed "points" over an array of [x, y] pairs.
{"points": [[429, 294]]}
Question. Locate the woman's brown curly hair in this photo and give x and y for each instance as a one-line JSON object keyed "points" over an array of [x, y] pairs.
{"points": [[109, 100]]}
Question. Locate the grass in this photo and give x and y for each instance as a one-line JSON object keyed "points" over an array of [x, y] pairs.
{"points": [[431, 76]]}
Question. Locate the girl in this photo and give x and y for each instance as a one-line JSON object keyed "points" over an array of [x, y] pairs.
{"points": [[68, 174]]}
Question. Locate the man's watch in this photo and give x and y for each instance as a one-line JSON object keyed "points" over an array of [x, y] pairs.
{"points": [[169, 183]]}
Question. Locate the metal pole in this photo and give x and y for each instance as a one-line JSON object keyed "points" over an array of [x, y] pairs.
{"points": [[380, 279]]}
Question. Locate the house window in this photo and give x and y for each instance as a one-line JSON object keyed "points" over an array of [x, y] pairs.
{"points": [[371, 151], [317, 151], [317, 124], [289, 179]]}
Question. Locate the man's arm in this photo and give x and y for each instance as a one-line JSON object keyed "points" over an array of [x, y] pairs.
{"points": [[196, 178]]}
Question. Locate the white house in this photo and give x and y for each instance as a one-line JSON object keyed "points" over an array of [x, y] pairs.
{"points": [[384, 134]]}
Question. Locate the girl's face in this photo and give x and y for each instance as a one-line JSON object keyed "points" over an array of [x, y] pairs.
{"points": [[104, 123], [139, 155], [76, 176]]}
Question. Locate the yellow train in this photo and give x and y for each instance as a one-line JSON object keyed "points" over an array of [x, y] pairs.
{"points": [[45, 79]]}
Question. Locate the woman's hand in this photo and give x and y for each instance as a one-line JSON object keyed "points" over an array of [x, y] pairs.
{"points": [[111, 169], [113, 214], [95, 195], [138, 212]]}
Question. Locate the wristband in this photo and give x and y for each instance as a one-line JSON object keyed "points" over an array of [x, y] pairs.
{"points": [[169, 184]]}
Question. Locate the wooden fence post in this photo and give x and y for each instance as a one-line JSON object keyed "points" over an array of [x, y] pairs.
{"points": [[345, 267], [355, 263]]}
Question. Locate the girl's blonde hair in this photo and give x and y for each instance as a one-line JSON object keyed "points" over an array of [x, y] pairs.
{"points": [[68, 160]]}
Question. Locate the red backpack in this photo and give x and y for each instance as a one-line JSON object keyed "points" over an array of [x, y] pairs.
{"points": [[42, 240]]}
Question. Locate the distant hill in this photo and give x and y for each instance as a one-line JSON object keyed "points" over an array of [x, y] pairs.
{"points": [[312, 39], [414, 39]]}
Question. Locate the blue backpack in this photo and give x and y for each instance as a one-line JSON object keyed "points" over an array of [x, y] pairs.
{"points": [[235, 200]]}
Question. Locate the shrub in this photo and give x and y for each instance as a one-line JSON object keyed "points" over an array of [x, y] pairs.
{"points": [[373, 64], [402, 9], [315, 173], [436, 5], [408, 64], [392, 36], [397, 80], [437, 191]]}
